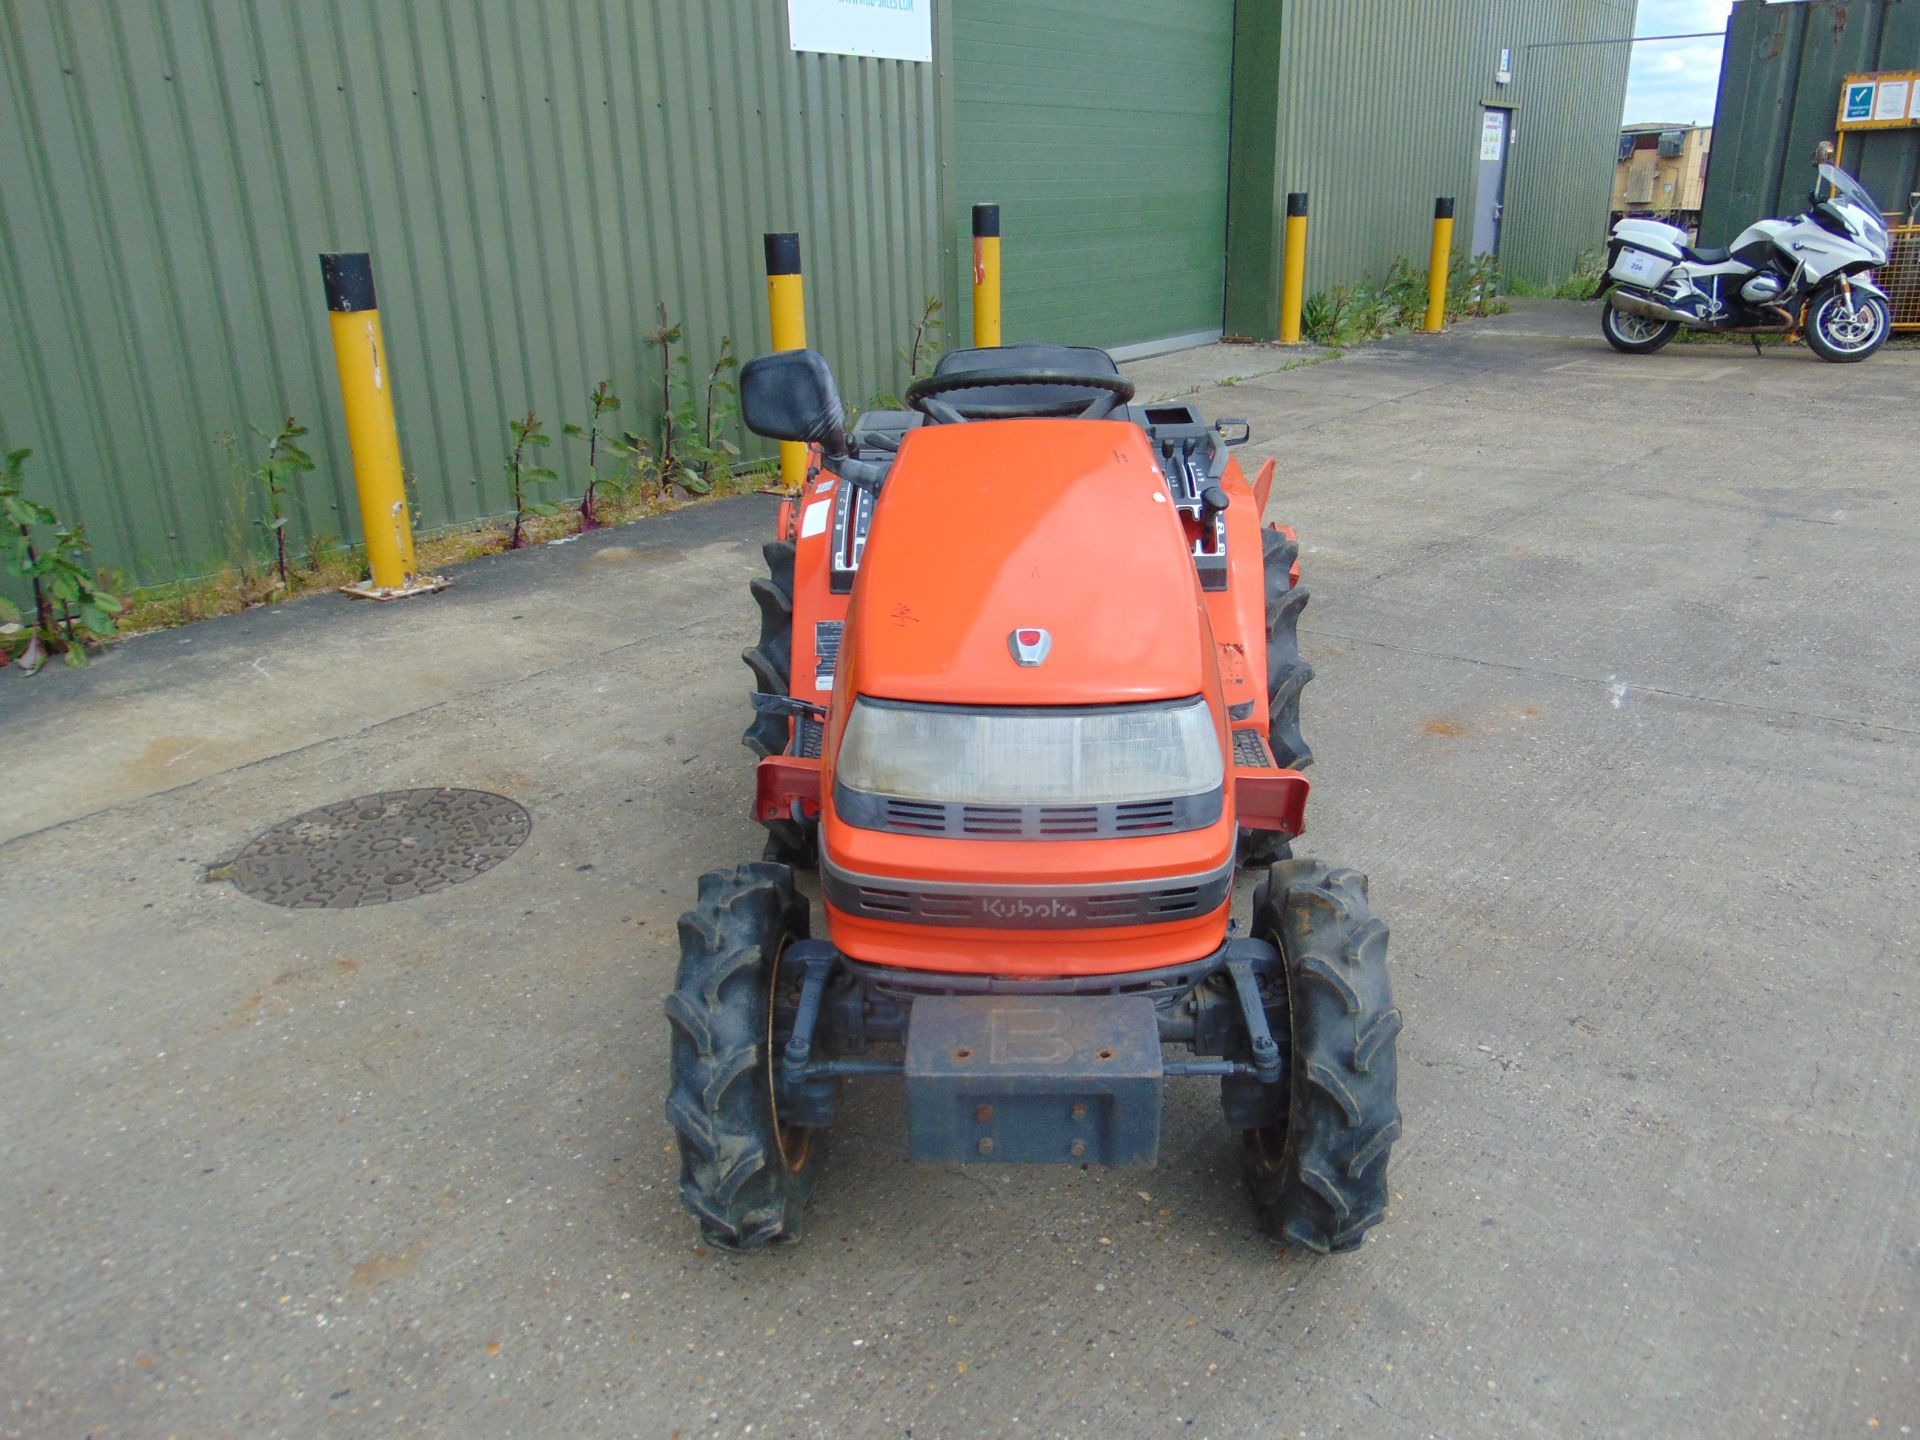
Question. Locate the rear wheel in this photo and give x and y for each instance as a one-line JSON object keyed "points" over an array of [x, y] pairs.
{"points": [[1287, 676], [1843, 332], [771, 660], [1319, 1173], [1635, 334], [745, 1176]]}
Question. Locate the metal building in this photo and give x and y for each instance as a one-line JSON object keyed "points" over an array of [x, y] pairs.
{"points": [[536, 180], [1374, 107], [1662, 173], [1780, 91], [1794, 75]]}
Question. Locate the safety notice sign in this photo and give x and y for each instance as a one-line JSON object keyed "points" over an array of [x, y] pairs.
{"points": [[1880, 102], [1493, 132], [889, 29]]}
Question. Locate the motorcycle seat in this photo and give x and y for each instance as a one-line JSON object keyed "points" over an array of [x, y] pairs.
{"points": [[1709, 254]]}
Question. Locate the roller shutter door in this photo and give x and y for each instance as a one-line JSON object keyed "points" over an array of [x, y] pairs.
{"points": [[1101, 130]]}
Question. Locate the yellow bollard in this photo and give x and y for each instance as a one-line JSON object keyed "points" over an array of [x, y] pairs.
{"points": [[1293, 275], [786, 300], [1438, 260], [986, 275], [366, 394]]}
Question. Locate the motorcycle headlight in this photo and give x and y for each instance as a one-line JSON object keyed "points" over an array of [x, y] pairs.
{"points": [[1069, 755]]}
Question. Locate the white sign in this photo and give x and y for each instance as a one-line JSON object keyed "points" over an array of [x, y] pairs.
{"points": [[889, 29], [1493, 131], [1891, 103]]}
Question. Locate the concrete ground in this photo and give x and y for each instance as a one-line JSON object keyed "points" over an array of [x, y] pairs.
{"points": [[1619, 670]]}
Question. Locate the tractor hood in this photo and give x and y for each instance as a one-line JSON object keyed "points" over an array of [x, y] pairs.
{"points": [[1058, 531]]}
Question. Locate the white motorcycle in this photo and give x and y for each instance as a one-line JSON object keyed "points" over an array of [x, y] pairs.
{"points": [[1812, 272]]}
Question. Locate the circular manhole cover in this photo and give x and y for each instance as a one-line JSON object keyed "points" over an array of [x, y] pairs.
{"points": [[390, 846]]}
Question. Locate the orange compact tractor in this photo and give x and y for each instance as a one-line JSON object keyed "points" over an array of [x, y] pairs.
{"points": [[1028, 691]]}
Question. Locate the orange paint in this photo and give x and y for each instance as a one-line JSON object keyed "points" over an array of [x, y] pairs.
{"points": [[986, 528]]}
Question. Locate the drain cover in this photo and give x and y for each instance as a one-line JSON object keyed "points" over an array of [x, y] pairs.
{"points": [[390, 846]]}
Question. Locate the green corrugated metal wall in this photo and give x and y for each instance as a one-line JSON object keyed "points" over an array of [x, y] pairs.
{"points": [[531, 180], [1100, 128], [1780, 82], [1373, 107]]}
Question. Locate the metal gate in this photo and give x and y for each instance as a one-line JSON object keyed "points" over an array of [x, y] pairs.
{"points": [[1900, 277]]}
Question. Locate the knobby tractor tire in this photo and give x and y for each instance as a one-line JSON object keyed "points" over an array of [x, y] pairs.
{"points": [[1320, 1181], [743, 1176], [771, 661], [1287, 676]]}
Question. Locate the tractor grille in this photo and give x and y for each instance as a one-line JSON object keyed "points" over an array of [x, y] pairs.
{"points": [[1250, 751], [807, 733], [1023, 907], [1028, 822]]}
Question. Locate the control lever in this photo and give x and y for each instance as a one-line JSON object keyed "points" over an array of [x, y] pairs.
{"points": [[863, 474], [1213, 501]]}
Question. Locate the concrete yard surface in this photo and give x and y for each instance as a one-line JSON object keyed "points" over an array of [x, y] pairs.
{"points": [[1618, 704]]}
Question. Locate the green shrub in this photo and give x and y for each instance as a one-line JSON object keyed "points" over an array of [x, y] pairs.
{"points": [[70, 605]]}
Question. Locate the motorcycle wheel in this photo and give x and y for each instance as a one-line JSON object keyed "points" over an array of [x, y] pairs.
{"points": [[1635, 334], [1843, 333]]}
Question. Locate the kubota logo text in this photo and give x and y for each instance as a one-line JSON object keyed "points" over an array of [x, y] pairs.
{"points": [[1054, 909]]}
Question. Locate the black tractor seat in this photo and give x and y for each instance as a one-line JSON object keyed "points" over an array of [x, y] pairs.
{"points": [[883, 429], [1029, 356]]}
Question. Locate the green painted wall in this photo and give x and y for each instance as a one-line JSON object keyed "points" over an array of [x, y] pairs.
{"points": [[1373, 107], [1780, 81], [1100, 128], [534, 179], [531, 179]]}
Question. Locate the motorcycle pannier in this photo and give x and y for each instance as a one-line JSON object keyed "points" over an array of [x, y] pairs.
{"points": [[1644, 268]]}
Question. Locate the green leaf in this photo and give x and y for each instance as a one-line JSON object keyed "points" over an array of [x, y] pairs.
{"points": [[571, 429], [731, 448], [540, 472], [76, 655], [541, 507]]}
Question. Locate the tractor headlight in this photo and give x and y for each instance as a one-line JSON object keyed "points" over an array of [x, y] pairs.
{"points": [[1106, 754]]}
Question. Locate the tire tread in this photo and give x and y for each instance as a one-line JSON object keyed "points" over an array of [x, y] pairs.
{"points": [[1329, 1184], [720, 1106]]}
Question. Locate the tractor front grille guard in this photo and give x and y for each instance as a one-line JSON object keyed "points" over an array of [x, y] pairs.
{"points": [[1215, 1006]]}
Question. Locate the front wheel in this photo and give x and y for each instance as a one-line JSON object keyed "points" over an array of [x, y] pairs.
{"points": [[1844, 331], [745, 1176], [1635, 334], [1318, 1169]]}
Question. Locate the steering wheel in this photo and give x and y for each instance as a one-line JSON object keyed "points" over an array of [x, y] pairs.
{"points": [[928, 395]]}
